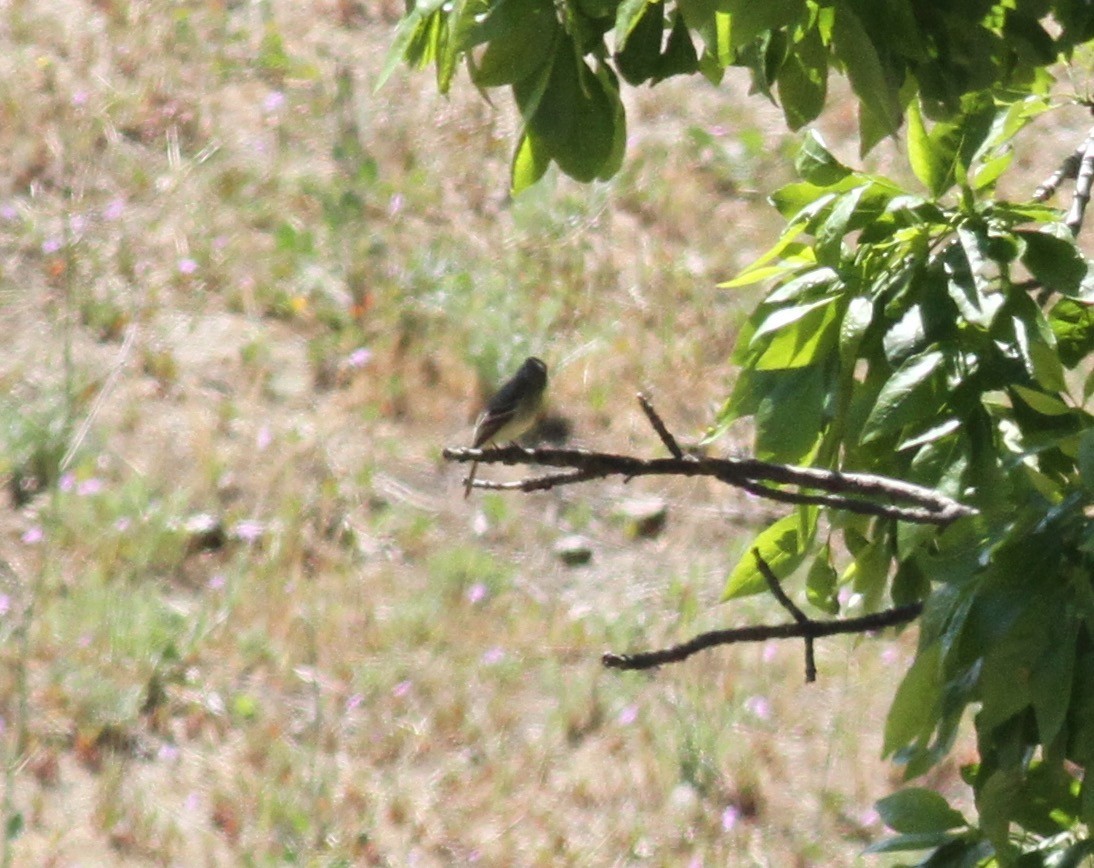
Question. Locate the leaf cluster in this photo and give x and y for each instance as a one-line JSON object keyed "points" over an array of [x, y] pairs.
{"points": [[939, 339], [564, 60]]}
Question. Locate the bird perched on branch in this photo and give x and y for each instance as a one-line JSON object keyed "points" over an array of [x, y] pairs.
{"points": [[512, 411]]}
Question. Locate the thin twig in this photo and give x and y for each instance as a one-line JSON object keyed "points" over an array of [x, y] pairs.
{"points": [[797, 614], [659, 427], [761, 633]]}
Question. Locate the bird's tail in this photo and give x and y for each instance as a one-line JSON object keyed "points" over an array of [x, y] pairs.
{"points": [[470, 480]]}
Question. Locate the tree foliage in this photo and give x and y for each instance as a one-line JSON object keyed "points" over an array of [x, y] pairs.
{"points": [[940, 336]]}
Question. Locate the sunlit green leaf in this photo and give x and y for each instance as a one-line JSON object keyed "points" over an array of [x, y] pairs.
{"points": [[530, 162], [1073, 325], [799, 335], [783, 546], [931, 156]]}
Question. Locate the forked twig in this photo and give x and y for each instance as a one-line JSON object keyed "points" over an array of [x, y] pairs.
{"points": [[761, 633], [803, 626], [797, 614], [1067, 171], [1078, 165]]}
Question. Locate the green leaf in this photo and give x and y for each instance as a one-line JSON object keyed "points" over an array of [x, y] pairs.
{"points": [[942, 463], [749, 19], [978, 299], [869, 78], [816, 164], [909, 394], [577, 116], [1086, 459], [679, 57], [905, 337], [639, 29], [408, 31], [629, 18], [909, 584], [999, 796], [1032, 339], [821, 583], [1073, 325], [803, 80], [991, 170], [931, 157], [782, 545], [1055, 262], [520, 36], [914, 710], [789, 416], [785, 249], [1050, 682], [754, 274], [805, 283], [856, 320], [917, 810], [800, 335], [869, 571], [834, 229], [454, 35], [923, 841], [1047, 405], [530, 162]]}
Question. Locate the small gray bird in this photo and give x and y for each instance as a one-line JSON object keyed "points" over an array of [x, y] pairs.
{"points": [[512, 411]]}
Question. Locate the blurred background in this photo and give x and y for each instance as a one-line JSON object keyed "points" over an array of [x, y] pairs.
{"points": [[246, 616]]}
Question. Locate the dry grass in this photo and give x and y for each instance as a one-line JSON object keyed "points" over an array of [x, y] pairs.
{"points": [[246, 301]]}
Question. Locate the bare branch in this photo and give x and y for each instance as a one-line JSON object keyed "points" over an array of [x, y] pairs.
{"points": [[1068, 170], [1078, 165], [797, 614], [1083, 180], [659, 427], [856, 492], [761, 633]]}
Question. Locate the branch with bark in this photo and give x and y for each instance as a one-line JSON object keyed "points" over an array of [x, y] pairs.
{"points": [[1079, 167], [855, 492], [803, 627]]}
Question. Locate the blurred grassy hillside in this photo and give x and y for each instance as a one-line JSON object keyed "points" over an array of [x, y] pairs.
{"points": [[247, 617]]}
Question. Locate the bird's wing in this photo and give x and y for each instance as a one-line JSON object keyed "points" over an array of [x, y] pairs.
{"points": [[492, 421]]}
